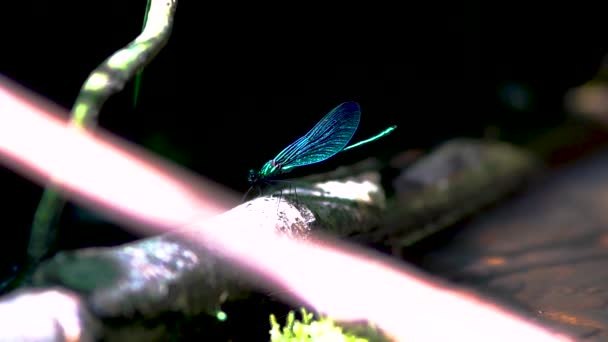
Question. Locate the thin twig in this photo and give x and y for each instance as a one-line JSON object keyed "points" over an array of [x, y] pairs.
{"points": [[107, 79]]}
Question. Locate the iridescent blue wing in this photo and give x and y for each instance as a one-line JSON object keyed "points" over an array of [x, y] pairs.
{"points": [[327, 138]]}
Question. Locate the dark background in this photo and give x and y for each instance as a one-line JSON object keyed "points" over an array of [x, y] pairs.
{"points": [[239, 82]]}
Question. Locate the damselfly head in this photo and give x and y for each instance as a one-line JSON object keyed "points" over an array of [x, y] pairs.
{"points": [[253, 177]]}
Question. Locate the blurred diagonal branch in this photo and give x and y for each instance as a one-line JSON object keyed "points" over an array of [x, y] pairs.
{"points": [[107, 79], [165, 272]]}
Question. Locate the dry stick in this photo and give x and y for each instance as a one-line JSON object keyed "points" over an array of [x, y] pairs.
{"points": [[200, 280], [109, 78]]}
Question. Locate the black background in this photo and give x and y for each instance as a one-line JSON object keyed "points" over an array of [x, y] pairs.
{"points": [[238, 82]]}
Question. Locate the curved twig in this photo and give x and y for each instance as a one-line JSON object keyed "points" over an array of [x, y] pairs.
{"points": [[107, 79]]}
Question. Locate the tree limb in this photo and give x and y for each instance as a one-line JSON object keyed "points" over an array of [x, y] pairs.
{"points": [[173, 274]]}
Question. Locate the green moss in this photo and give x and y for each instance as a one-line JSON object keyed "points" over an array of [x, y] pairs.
{"points": [[321, 330]]}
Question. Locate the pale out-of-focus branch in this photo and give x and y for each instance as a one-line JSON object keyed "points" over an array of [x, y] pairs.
{"points": [[343, 282], [95, 166]]}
